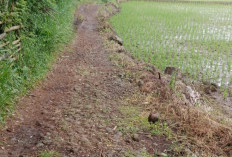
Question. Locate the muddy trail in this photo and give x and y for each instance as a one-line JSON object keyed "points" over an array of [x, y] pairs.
{"points": [[76, 110]]}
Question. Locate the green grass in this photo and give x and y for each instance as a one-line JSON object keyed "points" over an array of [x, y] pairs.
{"points": [[43, 36], [47, 153], [136, 121], [191, 36]]}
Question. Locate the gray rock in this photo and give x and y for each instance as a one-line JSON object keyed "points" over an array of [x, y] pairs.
{"points": [[116, 39], [109, 130], [135, 137], [85, 141], [40, 144]]}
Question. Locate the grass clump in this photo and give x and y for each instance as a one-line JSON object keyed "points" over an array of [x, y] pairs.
{"points": [[47, 153], [136, 121]]}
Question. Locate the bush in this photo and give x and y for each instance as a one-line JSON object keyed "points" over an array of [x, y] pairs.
{"points": [[46, 25]]}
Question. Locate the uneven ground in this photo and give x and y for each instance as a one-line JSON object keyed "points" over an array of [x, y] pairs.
{"points": [[77, 109], [95, 102]]}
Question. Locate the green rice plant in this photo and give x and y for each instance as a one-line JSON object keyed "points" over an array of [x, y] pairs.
{"points": [[194, 37]]}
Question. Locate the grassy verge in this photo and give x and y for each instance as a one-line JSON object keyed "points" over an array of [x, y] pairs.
{"points": [[44, 34]]}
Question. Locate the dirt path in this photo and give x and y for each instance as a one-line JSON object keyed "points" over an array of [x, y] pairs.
{"points": [[76, 109]]}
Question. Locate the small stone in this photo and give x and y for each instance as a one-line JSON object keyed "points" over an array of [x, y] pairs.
{"points": [[47, 141], [85, 141], [40, 145], [135, 137], [162, 154], [155, 144], [153, 117], [109, 130], [116, 39], [146, 103]]}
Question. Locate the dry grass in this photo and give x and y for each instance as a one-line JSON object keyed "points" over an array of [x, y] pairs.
{"points": [[193, 127]]}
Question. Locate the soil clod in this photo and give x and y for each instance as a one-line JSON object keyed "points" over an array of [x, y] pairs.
{"points": [[170, 70], [153, 117]]}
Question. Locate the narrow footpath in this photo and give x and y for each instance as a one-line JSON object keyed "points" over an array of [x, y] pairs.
{"points": [[76, 110]]}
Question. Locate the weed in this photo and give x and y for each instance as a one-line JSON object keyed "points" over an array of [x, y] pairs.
{"points": [[136, 121], [172, 82], [48, 153]]}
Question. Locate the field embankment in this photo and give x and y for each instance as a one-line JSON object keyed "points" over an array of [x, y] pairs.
{"points": [[186, 37]]}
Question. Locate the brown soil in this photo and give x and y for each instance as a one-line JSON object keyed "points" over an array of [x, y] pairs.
{"points": [[76, 110]]}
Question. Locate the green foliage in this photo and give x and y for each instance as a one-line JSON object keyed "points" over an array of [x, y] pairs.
{"points": [[47, 24]]}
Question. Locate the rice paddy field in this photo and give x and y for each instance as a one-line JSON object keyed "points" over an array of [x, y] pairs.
{"points": [[194, 37]]}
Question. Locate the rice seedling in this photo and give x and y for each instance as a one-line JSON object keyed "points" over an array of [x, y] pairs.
{"points": [[194, 37]]}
